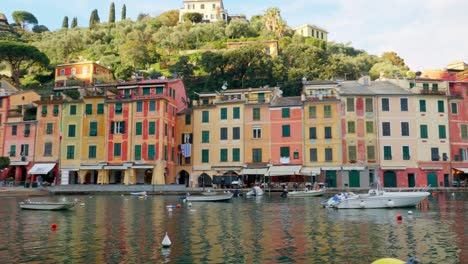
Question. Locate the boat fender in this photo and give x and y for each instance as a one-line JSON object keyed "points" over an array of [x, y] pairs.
{"points": [[362, 204], [390, 203], [388, 261], [399, 217]]}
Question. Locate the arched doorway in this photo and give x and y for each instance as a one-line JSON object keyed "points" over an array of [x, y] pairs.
{"points": [[183, 178], [229, 177], [390, 179], [91, 177], [204, 180], [148, 176]]}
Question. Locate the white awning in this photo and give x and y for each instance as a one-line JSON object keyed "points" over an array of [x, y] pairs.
{"points": [[115, 167], [431, 167], [143, 166], [41, 168], [359, 168], [465, 170], [308, 171], [19, 163], [331, 168], [284, 170], [393, 167], [91, 167], [252, 171]]}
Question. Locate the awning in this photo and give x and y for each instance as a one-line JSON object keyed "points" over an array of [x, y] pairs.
{"points": [[41, 168], [19, 163], [465, 170], [226, 168], [143, 166], [91, 167], [393, 167], [331, 168], [308, 171], [252, 171], [115, 167], [284, 170], [431, 167], [359, 168]]}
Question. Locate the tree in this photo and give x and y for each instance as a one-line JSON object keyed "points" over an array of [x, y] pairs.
{"points": [[169, 18], [393, 58], [112, 13], [124, 12], [274, 22], [94, 19], [65, 22], [193, 17], [4, 162], [18, 55], [24, 18], [39, 29], [74, 23], [238, 29]]}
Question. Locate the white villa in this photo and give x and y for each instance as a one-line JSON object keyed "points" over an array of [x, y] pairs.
{"points": [[212, 10]]}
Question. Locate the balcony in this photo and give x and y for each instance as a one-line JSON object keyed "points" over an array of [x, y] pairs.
{"points": [[432, 92]]}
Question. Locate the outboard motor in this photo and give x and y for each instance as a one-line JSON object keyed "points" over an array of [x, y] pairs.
{"points": [[284, 193]]}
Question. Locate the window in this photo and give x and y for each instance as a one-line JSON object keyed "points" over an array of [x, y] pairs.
{"points": [[55, 111], [442, 132], [151, 152], [369, 105], [223, 135], [93, 128], [89, 109], [224, 155], [464, 131], [117, 149], [296, 154], [425, 86], [72, 109], [404, 104], [236, 112], [387, 152], [328, 132], [261, 97], [12, 150], [285, 113], [205, 136], [73, 71], [454, 108], [188, 119], [352, 155], [138, 128], [351, 127], [406, 153], [404, 128], [152, 128], [440, 106], [118, 108], [205, 116], [236, 133], [257, 155], [165, 129], [71, 130], [202, 6], [27, 130], [423, 131], [257, 132], [422, 105], [328, 154], [49, 128], [435, 154], [223, 113], [349, 104], [312, 133], [14, 130], [139, 106], [146, 91], [152, 106], [312, 112], [62, 72], [369, 127], [284, 152], [48, 149], [370, 152], [137, 152], [411, 85], [236, 154], [256, 114], [91, 152], [159, 90], [100, 109], [435, 87], [286, 131], [385, 104], [24, 150], [70, 152], [386, 129], [313, 154], [118, 127], [44, 110], [327, 113], [205, 156]]}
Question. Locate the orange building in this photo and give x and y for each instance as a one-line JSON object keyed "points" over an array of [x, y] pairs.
{"points": [[81, 74]]}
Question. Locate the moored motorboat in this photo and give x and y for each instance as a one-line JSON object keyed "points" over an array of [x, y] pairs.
{"points": [[46, 205], [210, 198], [139, 193], [307, 193], [256, 191]]}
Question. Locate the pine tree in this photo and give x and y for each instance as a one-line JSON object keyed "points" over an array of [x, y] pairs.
{"points": [[124, 12], [65, 22], [74, 23], [94, 19], [112, 13]]}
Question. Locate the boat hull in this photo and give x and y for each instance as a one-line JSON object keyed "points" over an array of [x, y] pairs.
{"points": [[210, 198], [386, 200], [46, 206], [311, 193]]}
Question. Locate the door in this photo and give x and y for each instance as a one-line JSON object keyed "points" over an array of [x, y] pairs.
{"points": [[432, 179], [354, 178], [411, 180], [330, 178], [389, 179], [446, 180]]}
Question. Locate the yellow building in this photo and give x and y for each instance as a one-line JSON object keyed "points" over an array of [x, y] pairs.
{"points": [[312, 31], [184, 143]]}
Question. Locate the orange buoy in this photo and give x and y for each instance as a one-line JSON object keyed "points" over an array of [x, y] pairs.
{"points": [[398, 217], [179, 206]]}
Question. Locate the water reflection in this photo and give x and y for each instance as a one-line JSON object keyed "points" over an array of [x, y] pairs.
{"points": [[269, 229]]}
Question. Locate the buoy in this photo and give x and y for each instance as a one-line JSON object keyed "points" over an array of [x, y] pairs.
{"points": [[82, 204], [54, 226], [170, 209], [434, 194], [362, 204], [189, 204], [398, 217], [390, 203], [184, 200], [179, 206], [410, 212], [166, 241]]}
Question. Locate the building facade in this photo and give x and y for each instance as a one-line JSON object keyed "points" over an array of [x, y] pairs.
{"points": [[312, 32], [212, 10]]}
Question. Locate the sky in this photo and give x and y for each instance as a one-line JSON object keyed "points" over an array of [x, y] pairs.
{"points": [[427, 34]]}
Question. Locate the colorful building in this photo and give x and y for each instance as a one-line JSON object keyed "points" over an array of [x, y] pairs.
{"points": [[81, 74], [184, 143]]}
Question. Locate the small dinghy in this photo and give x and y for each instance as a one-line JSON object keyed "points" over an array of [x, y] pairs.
{"points": [[138, 193], [166, 241]]}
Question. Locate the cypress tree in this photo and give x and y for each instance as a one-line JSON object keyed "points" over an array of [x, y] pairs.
{"points": [[65, 22], [112, 13], [124, 12], [94, 19], [74, 23]]}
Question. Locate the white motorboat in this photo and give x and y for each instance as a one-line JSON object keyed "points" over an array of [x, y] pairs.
{"points": [[256, 191], [45, 205], [139, 193], [377, 198], [210, 198], [307, 193]]}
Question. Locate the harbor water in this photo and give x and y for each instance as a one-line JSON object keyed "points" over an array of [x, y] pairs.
{"points": [[269, 229]]}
